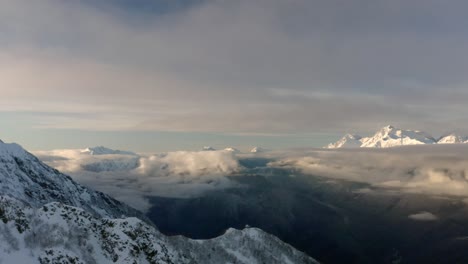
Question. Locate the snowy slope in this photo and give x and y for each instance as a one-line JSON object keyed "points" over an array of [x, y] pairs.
{"points": [[232, 149], [257, 150], [348, 141], [208, 148], [57, 233], [390, 136], [24, 177], [452, 139], [100, 150], [386, 137]]}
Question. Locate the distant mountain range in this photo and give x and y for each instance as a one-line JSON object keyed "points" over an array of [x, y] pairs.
{"points": [[390, 136], [100, 150], [234, 150]]}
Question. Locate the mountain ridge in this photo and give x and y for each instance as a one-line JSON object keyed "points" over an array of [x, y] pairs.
{"points": [[390, 136], [101, 150], [58, 233], [24, 177]]}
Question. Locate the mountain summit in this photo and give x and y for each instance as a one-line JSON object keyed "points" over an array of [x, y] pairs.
{"points": [[257, 150], [390, 136], [452, 138]]}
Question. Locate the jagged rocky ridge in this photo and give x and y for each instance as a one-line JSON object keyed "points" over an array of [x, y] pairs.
{"points": [[57, 233], [45, 217], [390, 136]]}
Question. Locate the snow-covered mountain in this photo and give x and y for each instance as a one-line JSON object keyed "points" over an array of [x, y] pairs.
{"points": [[208, 148], [257, 150], [57, 233], [48, 218], [348, 141], [232, 149], [390, 136], [452, 138], [101, 150], [27, 179]]}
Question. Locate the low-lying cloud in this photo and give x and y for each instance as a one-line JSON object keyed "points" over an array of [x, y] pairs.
{"points": [[188, 163], [132, 179], [434, 170], [423, 216], [421, 169]]}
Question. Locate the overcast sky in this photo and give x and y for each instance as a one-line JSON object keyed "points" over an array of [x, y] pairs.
{"points": [[172, 74]]}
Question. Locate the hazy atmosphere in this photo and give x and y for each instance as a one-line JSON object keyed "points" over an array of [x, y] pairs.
{"points": [[233, 131], [192, 73]]}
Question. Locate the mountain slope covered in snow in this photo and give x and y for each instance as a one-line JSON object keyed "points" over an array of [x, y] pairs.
{"points": [[348, 141], [24, 177], [257, 150], [57, 233], [390, 136], [452, 138]]}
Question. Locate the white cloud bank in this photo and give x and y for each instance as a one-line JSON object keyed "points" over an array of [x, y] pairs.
{"points": [[132, 179], [435, 170], [422, 169]]}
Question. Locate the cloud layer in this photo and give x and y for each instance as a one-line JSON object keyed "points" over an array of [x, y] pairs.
{"points": [[435, 170], [423, 169], [236, 66], [132, 178]]}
